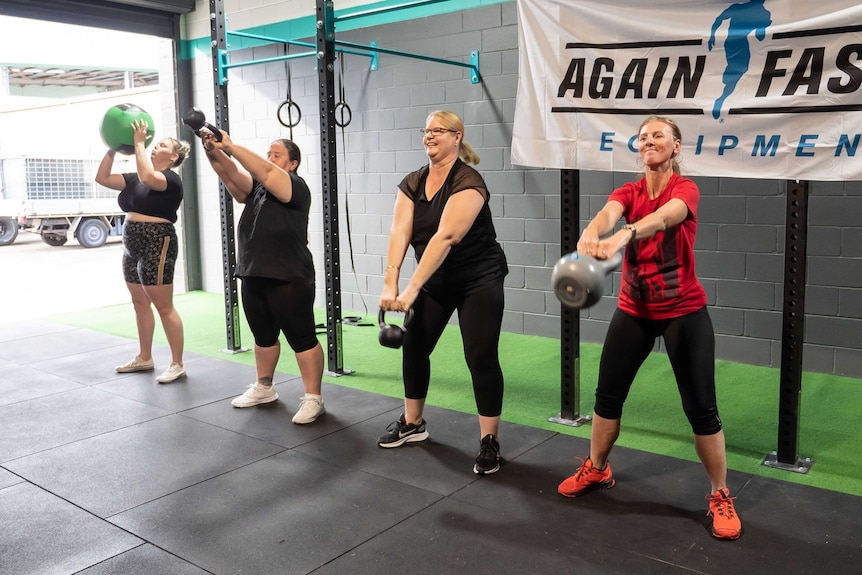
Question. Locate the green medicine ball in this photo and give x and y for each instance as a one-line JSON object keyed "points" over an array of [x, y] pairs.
{"points": [[116, 127]]}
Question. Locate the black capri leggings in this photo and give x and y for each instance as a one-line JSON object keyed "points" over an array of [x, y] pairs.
{"points": [[480, 315], [273, 305], [690, 343]]}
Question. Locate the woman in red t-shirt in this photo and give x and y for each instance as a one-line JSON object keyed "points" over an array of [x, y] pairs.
{"points": [[660, 296]]}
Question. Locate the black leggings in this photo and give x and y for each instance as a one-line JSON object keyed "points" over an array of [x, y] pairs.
{"points": [[272, 305], [480, 315], [690, 343]]}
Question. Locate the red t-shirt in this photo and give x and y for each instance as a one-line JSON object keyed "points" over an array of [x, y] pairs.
{"points": [[659, 279]]}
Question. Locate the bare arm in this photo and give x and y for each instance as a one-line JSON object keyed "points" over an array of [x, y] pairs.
{"points": [[669, 215], [104, 177], [457, 219], [237, 182], [672, 214], [399, 239], [146, 173], [273, 178]]}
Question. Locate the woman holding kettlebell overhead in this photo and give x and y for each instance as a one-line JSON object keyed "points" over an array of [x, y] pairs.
{"points": [[150, 197], [442, 211], [660, 296], [274, 264]]}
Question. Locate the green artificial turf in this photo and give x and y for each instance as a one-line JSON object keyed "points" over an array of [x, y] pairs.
{"points": [[653, 420]]}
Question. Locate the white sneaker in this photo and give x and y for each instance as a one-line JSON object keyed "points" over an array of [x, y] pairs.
{"points": [[310, 408], [173, 373], [255, 395], [136, 364]]}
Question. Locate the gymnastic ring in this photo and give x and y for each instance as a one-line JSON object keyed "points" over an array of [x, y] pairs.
{"points": [[343, 106], [291, 105]]}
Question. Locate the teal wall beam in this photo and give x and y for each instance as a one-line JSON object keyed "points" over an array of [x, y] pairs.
{"points": [[383, 10]]}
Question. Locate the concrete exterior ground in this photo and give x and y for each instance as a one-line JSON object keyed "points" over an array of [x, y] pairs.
{"points": [[40, 280]]}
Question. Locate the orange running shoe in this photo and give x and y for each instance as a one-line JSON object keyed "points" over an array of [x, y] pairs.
{"points": [[587, 478], [725, 521]]}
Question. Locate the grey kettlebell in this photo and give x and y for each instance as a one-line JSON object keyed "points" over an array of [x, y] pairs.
{"points": [[392, 335], [579, 280]]}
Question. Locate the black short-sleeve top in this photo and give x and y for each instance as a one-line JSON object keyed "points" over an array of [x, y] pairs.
{"points": [[478, 259], [137, 197], [272, 235]]}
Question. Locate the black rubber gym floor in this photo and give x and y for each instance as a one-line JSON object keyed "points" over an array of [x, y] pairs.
{"points": [[106, 473]]}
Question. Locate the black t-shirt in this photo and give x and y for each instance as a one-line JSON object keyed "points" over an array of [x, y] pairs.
{"points": [[272, 236], [477, 260], [136, 197]]}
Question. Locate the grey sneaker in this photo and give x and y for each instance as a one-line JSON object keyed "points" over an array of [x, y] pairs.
{"points": [[173, 373], [310, 408], [255, 395], [401, 432], [136, 364]]}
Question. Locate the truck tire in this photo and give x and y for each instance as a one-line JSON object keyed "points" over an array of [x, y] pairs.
{"points": [[55, 240], [8, 231], [92, 233]]}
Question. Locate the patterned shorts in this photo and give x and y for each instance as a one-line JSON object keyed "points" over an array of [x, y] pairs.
{"points": [[151, 250]]}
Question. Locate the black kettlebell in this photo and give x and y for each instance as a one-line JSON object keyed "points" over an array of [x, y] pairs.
{"points": [[196, 120], [579, 280], [392, 335]]}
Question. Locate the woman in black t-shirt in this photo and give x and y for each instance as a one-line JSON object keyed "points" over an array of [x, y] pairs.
{"points": [[442, 211], [150, 197], [274, 263]]}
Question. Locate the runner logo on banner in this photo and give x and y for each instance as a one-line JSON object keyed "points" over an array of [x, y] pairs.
{"points": [[759, 88]]}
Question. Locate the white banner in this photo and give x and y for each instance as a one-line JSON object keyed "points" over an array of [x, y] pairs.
{"points": [[759, 88]]}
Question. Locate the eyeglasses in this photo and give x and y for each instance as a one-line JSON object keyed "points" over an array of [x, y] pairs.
{"points": [[435, 131]]}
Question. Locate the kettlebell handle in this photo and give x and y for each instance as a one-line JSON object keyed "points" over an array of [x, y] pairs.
{"points": [[607, 265], [392, 335], [578, 280], [196, 120], [381, 319]]}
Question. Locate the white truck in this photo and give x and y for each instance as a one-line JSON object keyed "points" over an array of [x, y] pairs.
{"points": [[56, 199]]}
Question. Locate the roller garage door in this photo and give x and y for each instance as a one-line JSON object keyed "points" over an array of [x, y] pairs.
{"points": [[154, 18]]}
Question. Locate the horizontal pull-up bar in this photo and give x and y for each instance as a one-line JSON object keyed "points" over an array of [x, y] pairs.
{"points": [[282, 41], [268, 60], [370, 51], [269, 38], [224, 65], [473, 65]]}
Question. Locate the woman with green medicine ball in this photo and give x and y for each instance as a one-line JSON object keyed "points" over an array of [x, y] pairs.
{"points": [[150, 197]]}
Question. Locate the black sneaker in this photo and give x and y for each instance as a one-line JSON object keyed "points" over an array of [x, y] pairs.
{"points": [[488, 459], [400, 432]]}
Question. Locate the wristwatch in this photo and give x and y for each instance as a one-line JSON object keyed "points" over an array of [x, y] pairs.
{"points": [[633, 230]]}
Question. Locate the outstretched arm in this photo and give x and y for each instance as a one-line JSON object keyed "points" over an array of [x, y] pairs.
{"points": [[273, 178], [237, 182], [672, 214], [600, 225]]}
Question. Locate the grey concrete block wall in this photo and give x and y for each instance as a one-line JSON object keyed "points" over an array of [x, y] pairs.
{"points": [[740, 244]]}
